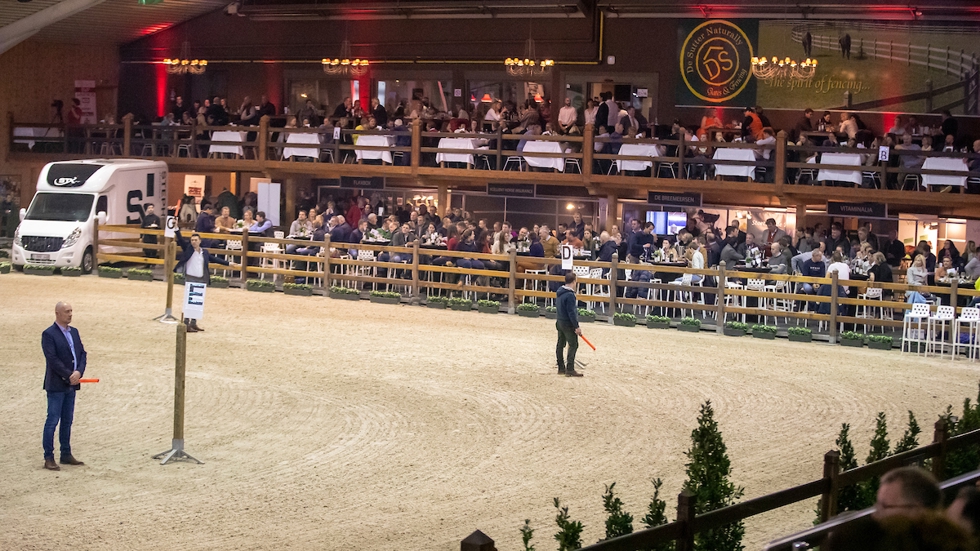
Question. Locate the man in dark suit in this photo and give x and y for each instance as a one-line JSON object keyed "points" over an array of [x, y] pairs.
{"points": [[196, 262], [65, 361]]}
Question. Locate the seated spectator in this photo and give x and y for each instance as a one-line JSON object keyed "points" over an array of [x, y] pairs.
{"points": [[917, 273], [780, 261], [572, 239], [946, 269], [340, 230], [814, 267], [880, 271], [262, 225], [301, 226], [224, 223], [469, 244]]}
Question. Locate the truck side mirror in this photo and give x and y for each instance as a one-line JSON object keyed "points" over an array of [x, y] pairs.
{"points": [[102, 218], [23, 213]]}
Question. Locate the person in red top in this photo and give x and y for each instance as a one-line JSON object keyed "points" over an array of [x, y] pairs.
{"points": [[353, 215], [752, 125]]}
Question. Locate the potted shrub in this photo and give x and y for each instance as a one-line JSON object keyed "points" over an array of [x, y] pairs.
{"points": [[437, 302], [764, 331], [219, 282], [385, 297], [137, 274], [344, 293], [4, 267], [880, 342], [488, 306], [296, 289], [584, 315], [690, 324], [460, 304], [528, 310], [657, 322], [624, 319], [800, 334], [35, 269], [551, 312], [852, 338], [179, 278], [735, 328], [260, 286], [110, 272], [71, 271]]}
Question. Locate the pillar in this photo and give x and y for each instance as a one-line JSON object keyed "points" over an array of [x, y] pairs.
{"points": [[801, 216], [612, 211], [443, 199], [290, 212]]}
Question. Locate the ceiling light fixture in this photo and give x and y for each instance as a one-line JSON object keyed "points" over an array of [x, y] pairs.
{"points": [[184, 64]]}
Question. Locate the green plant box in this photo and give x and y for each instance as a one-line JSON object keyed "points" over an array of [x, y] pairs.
{"points": [[528, 313], [31, 271], [386, 300], [262, 289], [298, 292], [763, 335], [624, 323], [582, 319], [658, 325], [800, 338], [436, 305], [345, 296], [71, 273], [112, 275], [880, 345], [551, 315], [139, 277], [216, 284], [5, 270], [689, 328], [856, 343], [734, 332], [488, 309], [461, 307]]}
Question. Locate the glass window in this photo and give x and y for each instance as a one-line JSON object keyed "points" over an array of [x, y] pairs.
{"points": [[64, 207], [327, 94], [508, 90], [413, 92]]}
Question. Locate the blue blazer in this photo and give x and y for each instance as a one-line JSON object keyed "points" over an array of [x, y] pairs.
{"points": [[59, 363], [187, 250]]}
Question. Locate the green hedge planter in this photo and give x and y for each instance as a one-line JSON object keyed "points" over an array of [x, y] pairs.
{"points": [[461, 307], [658, 325], [880, 345], [250, 286], [529, 313], [733, 332], [386, 300], [216, 284], [34, 271], [551, 315], [139, 277], [114, 275], [856, 343], [488, 309], [5, 269], [71, 273], [178, 279], [689, 328], [763, 335], [582, 319], [624, 322], [345, 296], [801, 338], [298, 292], [436, 305]]}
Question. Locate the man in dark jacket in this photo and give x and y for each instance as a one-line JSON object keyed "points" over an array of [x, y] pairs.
{"points": [[567, 324], [65, 361], [196, 262]]}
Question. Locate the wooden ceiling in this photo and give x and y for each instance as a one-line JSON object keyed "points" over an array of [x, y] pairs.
{"points": [[111, 22]]}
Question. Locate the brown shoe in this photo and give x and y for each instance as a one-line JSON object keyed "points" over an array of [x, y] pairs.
{"points": [[196, 327], [50, 465], [572, 373], [192, 329], [69, 460]]}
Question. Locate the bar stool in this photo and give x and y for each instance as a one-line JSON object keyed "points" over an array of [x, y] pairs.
{"points": [[971, 318], [867, 312], [912, 327], [937, 329]]}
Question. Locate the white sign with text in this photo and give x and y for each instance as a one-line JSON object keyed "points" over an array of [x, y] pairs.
{"points": [[567, 257], [194, 300]]}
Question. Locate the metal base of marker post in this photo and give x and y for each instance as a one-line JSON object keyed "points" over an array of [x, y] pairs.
{"points": [[167, 317], [176, 451], [170, 255]]}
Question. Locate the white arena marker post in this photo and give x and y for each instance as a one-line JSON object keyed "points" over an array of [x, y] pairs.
{"points": [[169, 259], [176, 451]]}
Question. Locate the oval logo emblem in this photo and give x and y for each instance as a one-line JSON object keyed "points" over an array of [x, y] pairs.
{"points": [[716, 61]]}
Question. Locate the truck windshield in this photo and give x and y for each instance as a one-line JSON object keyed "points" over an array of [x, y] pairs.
{"points": [[66, 207]]}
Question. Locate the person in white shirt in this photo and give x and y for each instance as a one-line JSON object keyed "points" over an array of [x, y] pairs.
{"points": [[767, 139], [590, 109], [848, 125], [567, 117], [614, 115]]}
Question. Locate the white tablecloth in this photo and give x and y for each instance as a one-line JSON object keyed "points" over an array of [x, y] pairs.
{"points": [[637, 150], [557, 163], [458, 143], [375, 141], [853, 176], [732, 154], [944, 163], [33, 132], [310, 150], [227, 136]]}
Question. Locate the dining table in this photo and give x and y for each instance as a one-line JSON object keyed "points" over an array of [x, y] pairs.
{"points": [[541, 146], [837, 175], [374, 140], [638, 150], [467, 149], [735, 154], [236, 140], [302, 145], [945, 163]]}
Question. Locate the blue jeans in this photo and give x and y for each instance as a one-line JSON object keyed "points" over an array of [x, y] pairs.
{"points": [[61, 408]]}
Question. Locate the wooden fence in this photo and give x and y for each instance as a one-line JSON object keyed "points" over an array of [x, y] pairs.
{"points": [[720, 295]]}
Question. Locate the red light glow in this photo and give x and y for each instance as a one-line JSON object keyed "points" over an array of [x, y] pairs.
{"points": [[161, 81]]}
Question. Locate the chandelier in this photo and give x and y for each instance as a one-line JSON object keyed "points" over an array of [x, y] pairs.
{"points": [[528, 66], [184, 64], [345, 65], [766, 69]]}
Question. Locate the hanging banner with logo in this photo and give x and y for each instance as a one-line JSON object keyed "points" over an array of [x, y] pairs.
{"points": [[716, 62], [85, 94]]}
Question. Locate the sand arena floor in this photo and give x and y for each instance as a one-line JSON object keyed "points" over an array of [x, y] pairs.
{"points": [[327, 424]]}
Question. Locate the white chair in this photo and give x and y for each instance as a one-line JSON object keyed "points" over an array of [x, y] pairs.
{"points": [[598, 290], [868, 312], [937, 329], [970, 317], [364, 271], [680, 296], [734, 301], [232, 245], [273, 263], [914, 327], [279, 234], [535, 284], [759, 285], [781, 301], [515, 159]]}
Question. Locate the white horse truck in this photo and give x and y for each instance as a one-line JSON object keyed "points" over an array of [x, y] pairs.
{"points": [[57, 229]]}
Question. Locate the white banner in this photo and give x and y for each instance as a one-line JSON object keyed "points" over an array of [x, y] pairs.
{"points": [[194, 187], [170, 226], [85, 94], [567, 257], [194, 300]]}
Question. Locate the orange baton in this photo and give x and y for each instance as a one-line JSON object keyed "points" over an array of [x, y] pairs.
{"points": [[587, 342]]}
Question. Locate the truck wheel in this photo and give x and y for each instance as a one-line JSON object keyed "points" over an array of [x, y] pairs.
{"points": [[88, 261]]}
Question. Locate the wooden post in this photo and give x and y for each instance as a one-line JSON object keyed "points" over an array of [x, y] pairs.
{"points": [[780, 154], [834, 290], [263, 140], [169, 259], [477, 541], [831, 470], [415, 272], [613, 272], [95, 240], [416, 145], [512, 283], [500, 147], [588, 150], [720, 299], [443, 198], [127, 135], [940, 436], [685, 516], [179, 372], [612, 210], [244, 257], [326, 263]]}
